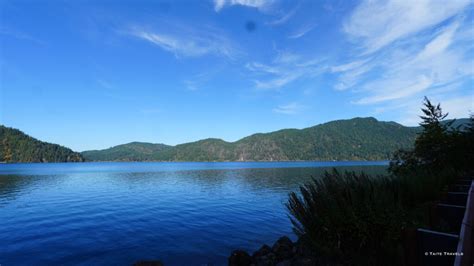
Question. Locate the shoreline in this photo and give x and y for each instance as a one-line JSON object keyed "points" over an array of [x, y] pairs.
{"points": [[283, 252], [289, 161]]}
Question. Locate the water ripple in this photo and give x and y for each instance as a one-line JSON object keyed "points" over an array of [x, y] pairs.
{"points": [[104, 214]]}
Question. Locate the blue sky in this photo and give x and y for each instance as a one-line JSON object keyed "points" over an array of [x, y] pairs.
{"points": [[93, 74]]}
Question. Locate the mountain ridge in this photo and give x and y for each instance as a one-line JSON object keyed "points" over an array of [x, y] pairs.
{"points": [[16, 146], [291, 144], [360, 138]]}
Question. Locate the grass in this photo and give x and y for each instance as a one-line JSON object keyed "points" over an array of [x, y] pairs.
{"points": [[354, 218]]}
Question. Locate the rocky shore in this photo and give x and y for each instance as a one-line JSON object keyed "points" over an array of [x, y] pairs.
{"points": [[283, 253]]}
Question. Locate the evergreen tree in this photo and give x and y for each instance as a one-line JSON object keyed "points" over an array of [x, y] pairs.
{"points": [[431, 146], [439, 146]]}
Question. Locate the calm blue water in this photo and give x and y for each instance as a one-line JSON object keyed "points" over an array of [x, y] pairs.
{"points": [[118, 213]]}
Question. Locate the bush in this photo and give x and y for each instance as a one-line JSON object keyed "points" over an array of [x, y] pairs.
{"points": [[438, 147], [352, 217], [357, 219]]}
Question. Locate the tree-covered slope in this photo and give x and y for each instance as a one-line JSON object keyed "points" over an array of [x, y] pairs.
{"points": [[461, 123], [134, 151], [16, 146], [353, 139]]}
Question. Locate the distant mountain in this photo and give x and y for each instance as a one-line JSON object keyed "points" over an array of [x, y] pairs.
{"points": [[16, 146], [460, 123], [134, 151], [353, 139]]}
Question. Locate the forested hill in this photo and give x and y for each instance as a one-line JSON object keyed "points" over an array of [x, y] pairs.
{"points": [[134, 151], [16, 146], [353, 139]]}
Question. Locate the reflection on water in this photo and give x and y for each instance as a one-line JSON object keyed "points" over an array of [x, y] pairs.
{"points": [[117, 213]]}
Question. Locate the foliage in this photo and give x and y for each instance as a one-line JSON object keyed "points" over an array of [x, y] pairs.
{"points": [[352, 217], [356, 219], [16, 146], [353, 139], [134, 151], [438, 146]]}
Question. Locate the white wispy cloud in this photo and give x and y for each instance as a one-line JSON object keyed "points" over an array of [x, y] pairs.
{"points": [[397, 89], [259, 67], [351, 73], [259, 4], [105, 84], [409, 50], [19, 35], [439, 44], [302, 31], [279, 81], [404, 75], [198, 81], [459, 107], [290, 108], [348, 66], [191, 85], [285, 68], [186, 41], [377, 24], [285, 17]]}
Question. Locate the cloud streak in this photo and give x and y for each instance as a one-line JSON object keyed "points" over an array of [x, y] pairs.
{"points": [[19, 35], [185, 41], [105, 84], [377, 24], [285, 68], [399, 89], [259, 4], [199, 81], [436, 63], [302, 31], [289, 109], [287, 16], [403, 51]]}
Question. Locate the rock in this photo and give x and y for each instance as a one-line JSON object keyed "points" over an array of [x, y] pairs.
{"points": [[148, 263], [283, 253], [264, 256], [302, 250], [303, 262], [267, 260], [263, 251], [240, 258], [284, 263], [283, 249]]}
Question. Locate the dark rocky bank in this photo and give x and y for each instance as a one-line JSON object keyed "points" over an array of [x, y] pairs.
{"points": [[148, 263], [283, 253]]}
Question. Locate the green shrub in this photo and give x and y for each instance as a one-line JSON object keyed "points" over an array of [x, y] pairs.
{"points": [[423, 185], [357, 219], [352, 217]]}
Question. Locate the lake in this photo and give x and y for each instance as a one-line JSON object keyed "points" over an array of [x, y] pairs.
{"points": [[119, 213]]}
